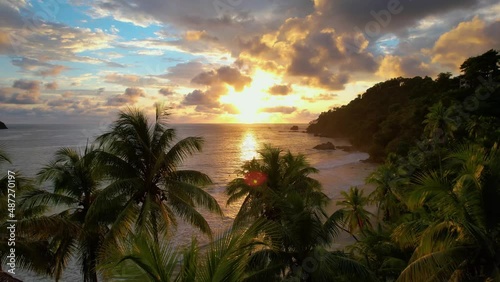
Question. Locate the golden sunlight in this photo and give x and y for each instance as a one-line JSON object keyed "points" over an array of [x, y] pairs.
{"points": [[252, 99], [248, 147]]}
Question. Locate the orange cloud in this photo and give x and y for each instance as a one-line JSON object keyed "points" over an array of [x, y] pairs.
{"points": [[466, 40]]}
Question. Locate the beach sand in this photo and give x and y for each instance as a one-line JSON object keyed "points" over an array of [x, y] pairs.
{"points": [[341, 178]]}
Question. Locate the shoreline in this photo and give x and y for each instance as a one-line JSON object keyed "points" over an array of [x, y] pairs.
{"points": [[341, 178]]}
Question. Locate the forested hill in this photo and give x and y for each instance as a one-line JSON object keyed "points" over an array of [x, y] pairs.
{"points": [[389, 117]]}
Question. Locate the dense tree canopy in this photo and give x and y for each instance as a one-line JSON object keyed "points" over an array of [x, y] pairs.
{"points": [[389, 116]]}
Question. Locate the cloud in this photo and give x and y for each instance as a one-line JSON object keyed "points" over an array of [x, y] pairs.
{"points": [[52, 71], [166, 91], [130, 80], [467, 39], [130, 96], [208, 101], [28, 63], [29, 85], [182, 73], [225, 74], [22, 92], [379, 17], [320, 97], [280, 89], [408, 66], [279, 109], [51, 85], [24, 34], [205, 99]]}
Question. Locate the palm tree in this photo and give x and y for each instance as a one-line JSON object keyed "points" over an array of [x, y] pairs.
{"points": [[264, 182], [353, 203], [227, 258], [142, 162], [440, 121], [30, 254], [278, 188], [386, 195], [459, 239], [76, 179]]}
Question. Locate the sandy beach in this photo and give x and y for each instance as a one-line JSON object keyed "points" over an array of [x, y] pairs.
{"points": [[337, 179]]}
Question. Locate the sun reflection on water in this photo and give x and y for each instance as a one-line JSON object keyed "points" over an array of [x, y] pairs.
{"points": [[248, 147]]}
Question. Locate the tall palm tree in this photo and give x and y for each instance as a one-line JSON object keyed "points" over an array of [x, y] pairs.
{"points": [[278, 188], [459, 239], [30, 254], [265, 181], [142, 161], [76, 179], [353, 203], [440, 122], [386, 195]]}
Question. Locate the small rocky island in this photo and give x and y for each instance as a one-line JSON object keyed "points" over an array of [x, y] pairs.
{"points": [[325, 146], [294, 128], [2, 125]]}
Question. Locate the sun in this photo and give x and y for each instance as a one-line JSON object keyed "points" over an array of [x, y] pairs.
{"points": [[252, 99]]}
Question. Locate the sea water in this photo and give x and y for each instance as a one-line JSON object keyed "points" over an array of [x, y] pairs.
{"points": [[226, 147]]}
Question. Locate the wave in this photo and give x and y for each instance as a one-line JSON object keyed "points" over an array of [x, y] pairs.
{"points": [[339, 161]]}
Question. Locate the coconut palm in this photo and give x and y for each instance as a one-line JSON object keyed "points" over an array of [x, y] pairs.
{"points": [[353, 203], [386, 195], [226, 258], [142, 161], [76, 180], [440, 122], [278, 188], [30, 254], [269, 179], [459, 240]]}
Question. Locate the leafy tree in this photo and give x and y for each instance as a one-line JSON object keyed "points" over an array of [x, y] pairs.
{"points": [[277, 187], [353, 204], [387, 181], [265, 181], [76, 179], [142, 160], [227, 258], [440, 122], [459, 241], [485, 66]]}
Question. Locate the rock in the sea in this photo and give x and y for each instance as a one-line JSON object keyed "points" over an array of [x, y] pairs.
{"points": [[2, 125], [325, 146], [294, 128]]}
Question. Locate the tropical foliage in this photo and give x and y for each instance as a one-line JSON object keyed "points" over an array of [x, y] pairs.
{"points": [[114, 205]]}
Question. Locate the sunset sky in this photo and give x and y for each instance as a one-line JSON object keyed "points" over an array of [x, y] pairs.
{"points": [[224, 60]]}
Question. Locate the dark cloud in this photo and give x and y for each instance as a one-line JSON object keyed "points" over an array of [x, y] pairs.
{"points": [[28, 63], [130, 96], [378, 17], [166, 91], [51, 85], [226, 74], [208, 101], [10, 14], [22, 92], [280, 89], [205, 99], [29, 85], [279, 109], [182, 73]]}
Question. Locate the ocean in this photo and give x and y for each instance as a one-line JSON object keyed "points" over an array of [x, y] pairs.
{"points": [[226, 148]]}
